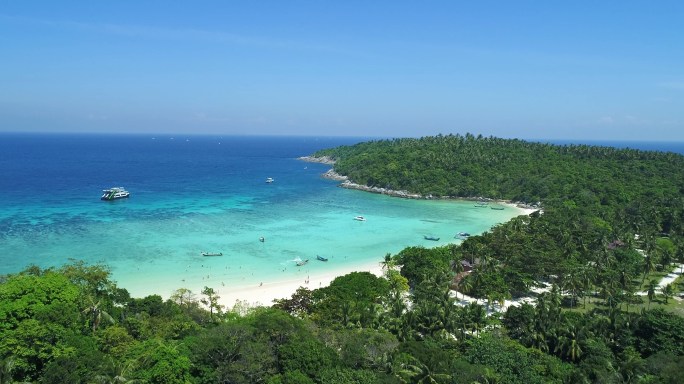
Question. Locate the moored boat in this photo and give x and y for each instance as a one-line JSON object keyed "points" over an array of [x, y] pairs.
{"points": [[302, 262], [321, 258], [433, 238], [212, 253], [114, 194], [360, 218]]}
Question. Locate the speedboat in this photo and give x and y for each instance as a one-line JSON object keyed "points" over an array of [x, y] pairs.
{"points": [[212, 253], [302, 262], [360, 218], [114, 193], [269, 180]]}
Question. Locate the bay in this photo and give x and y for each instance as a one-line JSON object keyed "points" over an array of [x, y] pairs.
{"points": [[194, 194]]}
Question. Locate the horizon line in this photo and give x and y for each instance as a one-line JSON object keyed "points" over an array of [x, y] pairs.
{"points": [[294, 135]]}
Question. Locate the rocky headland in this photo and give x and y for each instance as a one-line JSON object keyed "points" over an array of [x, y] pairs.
{"points": [[346, 183], [315, 159]]}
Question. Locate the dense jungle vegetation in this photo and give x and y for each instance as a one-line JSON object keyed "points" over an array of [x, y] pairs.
{"points": [[611, 227]]}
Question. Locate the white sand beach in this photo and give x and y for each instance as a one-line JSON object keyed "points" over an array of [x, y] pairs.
{"points": [[267, 291], [245, 287], [249, 293]]}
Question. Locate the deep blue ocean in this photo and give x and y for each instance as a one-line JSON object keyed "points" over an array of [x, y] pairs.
{"points": [[206, 193], [65, 169]]}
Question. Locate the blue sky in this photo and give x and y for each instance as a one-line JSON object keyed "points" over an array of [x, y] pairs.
{"points": [[525, 69]]}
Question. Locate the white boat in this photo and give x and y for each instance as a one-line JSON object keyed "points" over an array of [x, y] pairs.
{"points": [[269, 180], [114, 193], [360, 218]]}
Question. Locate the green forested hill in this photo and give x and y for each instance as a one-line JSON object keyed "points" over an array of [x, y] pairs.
{"points": [[469, 166], [593, 198]]}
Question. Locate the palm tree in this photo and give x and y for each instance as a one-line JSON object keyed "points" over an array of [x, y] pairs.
{"points": [[96, 314], [387, 262], [679, 253], [649, 262], [575, 351], [346, 311], [369, 316], [482, 253], [572, 283], [612, 295], [421, 373], [477, 317], [119, 375], [538, 340], [465, 285], [397, 303], [555, 298], [651, 293], [569, 343], [6, 368], [632, 365], [457, 266], [667, 291], [406, 330], [429, 321], [587, 278], [628, 287]]}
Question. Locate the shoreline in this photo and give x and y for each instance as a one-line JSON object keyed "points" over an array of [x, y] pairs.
{"points": [[247, 294], [331, 174], [264, 293], [251, 294]]}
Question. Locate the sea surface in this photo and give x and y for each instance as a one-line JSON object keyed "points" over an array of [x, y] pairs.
{"points": [[191, 194]]}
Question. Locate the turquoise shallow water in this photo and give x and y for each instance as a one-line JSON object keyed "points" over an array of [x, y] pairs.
{"points": [[148, 253], [182, 205]]}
